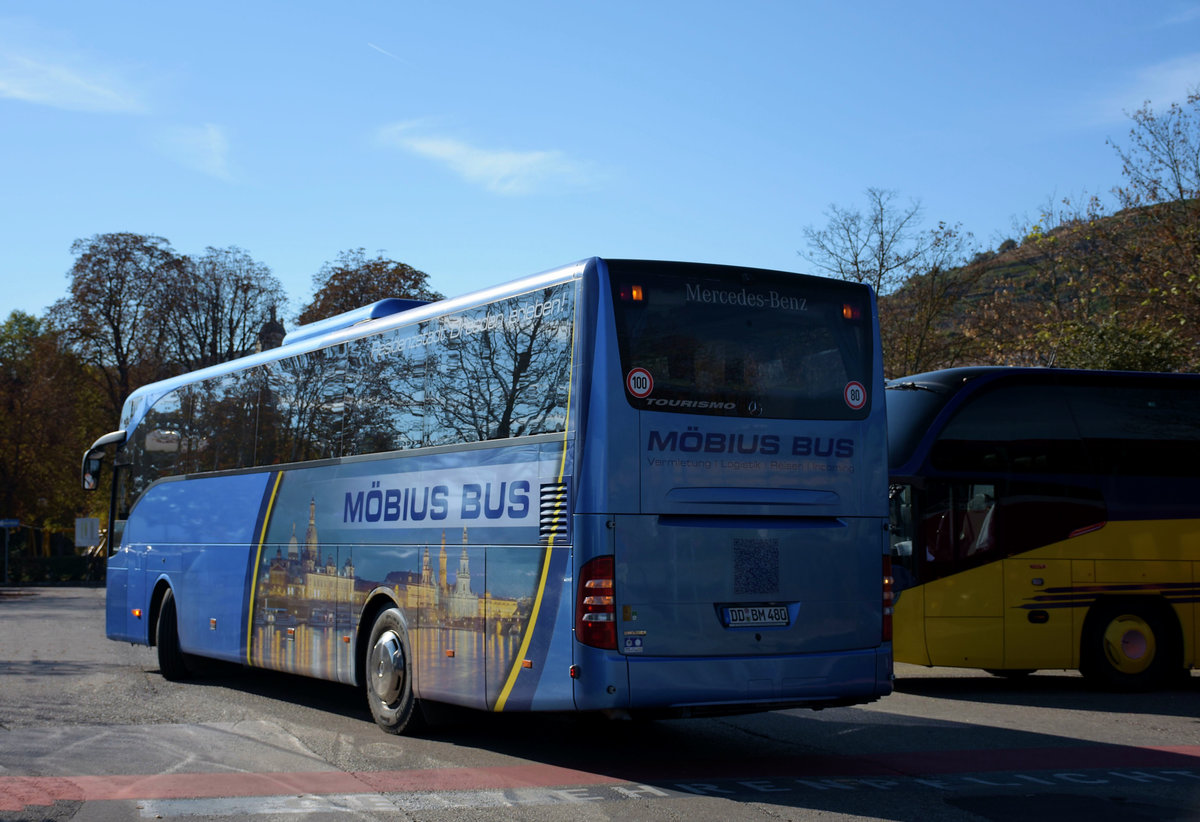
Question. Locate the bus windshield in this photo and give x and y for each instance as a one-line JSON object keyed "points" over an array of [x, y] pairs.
{"points": [[911, 407], [744, 342]]}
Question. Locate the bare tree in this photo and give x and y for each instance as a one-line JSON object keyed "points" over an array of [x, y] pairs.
{"points": [[918, 321], [113, 318], [353, 281], [919, 274], [877, 247], [216, 305], [1163, 163]]}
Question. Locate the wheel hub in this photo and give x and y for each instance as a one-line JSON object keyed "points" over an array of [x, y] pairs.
{"points": [[387, 667], [1129, 644]]}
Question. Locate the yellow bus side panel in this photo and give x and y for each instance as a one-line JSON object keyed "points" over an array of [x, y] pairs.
{"points": [[1037, 634], [966, 642], [964, 618], [978, 592], [908, 627], [981, 617]]}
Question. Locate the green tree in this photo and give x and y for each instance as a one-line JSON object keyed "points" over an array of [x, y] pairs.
{"points": [[47, 419], [1118, 346], [353, 280], [1161, 202]]}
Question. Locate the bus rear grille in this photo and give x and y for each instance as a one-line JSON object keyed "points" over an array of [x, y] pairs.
{"points": [[553, 512]]}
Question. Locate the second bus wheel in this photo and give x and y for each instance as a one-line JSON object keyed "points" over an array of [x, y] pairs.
{"points": [[1129, 645], [388, 674], [172, 662]]}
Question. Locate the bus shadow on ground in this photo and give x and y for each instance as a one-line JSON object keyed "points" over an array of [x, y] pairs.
{"points": [[851, 762], [284, 688], [1051, 689], [848, 761]]}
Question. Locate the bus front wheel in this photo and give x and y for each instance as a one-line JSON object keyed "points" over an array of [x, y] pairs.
{"points": [[1128, 646], [172, 662], [388, 674]]}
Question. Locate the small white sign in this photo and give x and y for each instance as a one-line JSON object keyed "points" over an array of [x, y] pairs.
{"points": [[87, 532]]}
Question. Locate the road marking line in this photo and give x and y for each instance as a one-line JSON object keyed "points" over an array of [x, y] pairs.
{"points": [[17, 792]]}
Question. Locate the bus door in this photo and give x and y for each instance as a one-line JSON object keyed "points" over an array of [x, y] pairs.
{"points": [[1038, 630], [1038, 522], [964, 591]]}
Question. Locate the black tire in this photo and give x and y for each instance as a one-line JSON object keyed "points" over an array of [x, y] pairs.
{"points": [[172, 662], [1010, 673], [1129, 645], [387, 671]]}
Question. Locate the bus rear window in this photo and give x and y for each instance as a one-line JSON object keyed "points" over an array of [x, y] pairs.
{"points": [[703, 339]]}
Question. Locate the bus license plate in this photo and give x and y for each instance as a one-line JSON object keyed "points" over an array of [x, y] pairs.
{"points": [[738, 616]]}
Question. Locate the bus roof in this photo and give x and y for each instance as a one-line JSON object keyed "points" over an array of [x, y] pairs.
{"points": [[920, 403], [951, 380], [352, 325], [377, 318]]}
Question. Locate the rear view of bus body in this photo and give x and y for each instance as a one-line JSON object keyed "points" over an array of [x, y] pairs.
{"points": [[621, 486], [745, 527]]}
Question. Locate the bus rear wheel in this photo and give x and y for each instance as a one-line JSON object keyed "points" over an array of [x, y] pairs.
{"points": [[1128, 646], [172, 661], [388, 674]]}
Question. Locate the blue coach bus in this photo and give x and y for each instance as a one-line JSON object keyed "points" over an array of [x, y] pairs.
{"points": [[621, 486]]}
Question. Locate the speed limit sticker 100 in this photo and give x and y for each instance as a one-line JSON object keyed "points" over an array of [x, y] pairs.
{"points": [[639, 383]]}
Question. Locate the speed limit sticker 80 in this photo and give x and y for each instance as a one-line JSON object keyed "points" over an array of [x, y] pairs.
{"points": [[639, 383], [855, 395]]}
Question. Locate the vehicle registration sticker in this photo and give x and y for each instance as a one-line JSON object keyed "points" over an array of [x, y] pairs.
{"points": [[737, 616]]}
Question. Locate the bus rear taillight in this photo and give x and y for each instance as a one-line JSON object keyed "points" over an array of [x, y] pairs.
{"points": [[889, 598], [595, 605]]}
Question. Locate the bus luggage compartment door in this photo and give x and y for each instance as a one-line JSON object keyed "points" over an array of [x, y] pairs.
{"points": [[733, 586]]}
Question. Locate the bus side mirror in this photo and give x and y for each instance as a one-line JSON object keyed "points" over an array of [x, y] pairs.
{"points": [[91, 470], [93, 459]]}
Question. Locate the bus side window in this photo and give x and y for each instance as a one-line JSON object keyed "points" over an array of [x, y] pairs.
{"points": [[977, 533], [937, 527], [901, 530], [958, 527]]}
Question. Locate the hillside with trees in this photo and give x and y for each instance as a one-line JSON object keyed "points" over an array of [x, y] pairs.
{"points": [[1083, 287]]}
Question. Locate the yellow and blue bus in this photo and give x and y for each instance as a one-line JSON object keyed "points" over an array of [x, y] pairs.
{"points": [[620, 486], [1047, 519]]}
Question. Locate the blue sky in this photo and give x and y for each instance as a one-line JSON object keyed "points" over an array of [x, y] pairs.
{"points": [[480, 141]]}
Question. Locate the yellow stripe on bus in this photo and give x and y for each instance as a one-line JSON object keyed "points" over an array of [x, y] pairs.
{"points": [[518, 662], [262, 539]]}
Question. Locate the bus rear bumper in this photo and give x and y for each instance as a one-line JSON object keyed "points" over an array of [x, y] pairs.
{"points": [[683, 686]]}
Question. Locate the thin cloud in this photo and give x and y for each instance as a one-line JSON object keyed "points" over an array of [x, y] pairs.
{"points": [[59, 84], [497, 170], [1187, 14], [201, 148], [1160, 84], [382, 50]]}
